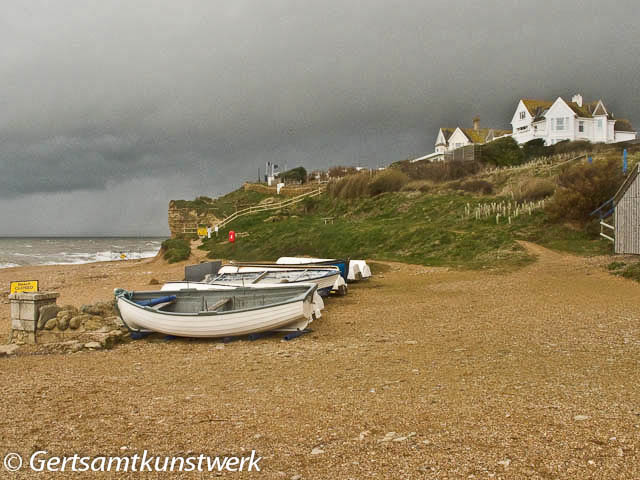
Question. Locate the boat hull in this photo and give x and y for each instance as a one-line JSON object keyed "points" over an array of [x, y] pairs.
{"points": [[290, 315]]}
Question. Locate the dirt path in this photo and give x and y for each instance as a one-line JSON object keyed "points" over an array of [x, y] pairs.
{"points": [[530, 374]]}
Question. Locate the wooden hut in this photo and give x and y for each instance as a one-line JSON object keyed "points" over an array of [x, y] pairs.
{"points": [[626, 202]]}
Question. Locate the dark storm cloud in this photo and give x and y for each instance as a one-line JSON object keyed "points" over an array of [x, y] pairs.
{"points": [[133, 103]]}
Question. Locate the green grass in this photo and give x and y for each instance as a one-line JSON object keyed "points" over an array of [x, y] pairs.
{"points": [[176, 249], [411, 228]]}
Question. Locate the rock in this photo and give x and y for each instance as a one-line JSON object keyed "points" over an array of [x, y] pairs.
{"points": [[388, 437], [51, 324], [8, 349], [317, 451], [154, 281], [411, 342], [505, 463], [63, 323], [92, 345], [47, 312], [581, 418], [113, 321], [399, 439], [296, 477], [92, 322], [620, 452], [75, 322], [103, 309], [76, 347]]}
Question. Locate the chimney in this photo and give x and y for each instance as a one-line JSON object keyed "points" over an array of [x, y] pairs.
{"points": [[476, 124], [577, 99]]}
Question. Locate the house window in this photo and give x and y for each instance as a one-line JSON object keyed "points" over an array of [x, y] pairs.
{"points": [[581, 126], [560, 125], [458, 145], [599, 123], [522, 115]]}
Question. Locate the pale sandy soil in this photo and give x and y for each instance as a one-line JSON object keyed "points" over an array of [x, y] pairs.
{"points": [[529, 374]]}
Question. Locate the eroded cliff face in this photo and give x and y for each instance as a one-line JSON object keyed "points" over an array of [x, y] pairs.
{"points": [[186, 220]]}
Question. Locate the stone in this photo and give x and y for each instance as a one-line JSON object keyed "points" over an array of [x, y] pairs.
{"points": [[92, 345], [76, 347], [103, 309], [63, 323], [75, 322], [51, 324], [47, 312], [581, 418], [8, 349], [505, 463], [296, 477], [411, 342], [317, 451], [154, 281]]}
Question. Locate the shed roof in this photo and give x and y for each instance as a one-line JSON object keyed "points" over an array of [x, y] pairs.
{"points": [[626, 184]]}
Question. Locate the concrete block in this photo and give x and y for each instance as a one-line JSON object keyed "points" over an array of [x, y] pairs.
{"points": [[15, 309], [25, 325]]}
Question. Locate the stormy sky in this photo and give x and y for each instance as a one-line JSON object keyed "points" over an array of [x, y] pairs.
{"points": [[110, 109]]}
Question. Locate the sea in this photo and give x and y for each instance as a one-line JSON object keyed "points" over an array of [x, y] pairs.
{"points": [[21, 251]]}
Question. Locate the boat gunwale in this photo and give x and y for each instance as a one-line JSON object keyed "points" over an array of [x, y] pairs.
{"points": [[299, 298]]}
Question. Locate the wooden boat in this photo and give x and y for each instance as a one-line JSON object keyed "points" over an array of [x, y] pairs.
{"points": [[349, 270], [327, 277], [343, 265], [222, 312], [318, 303]]}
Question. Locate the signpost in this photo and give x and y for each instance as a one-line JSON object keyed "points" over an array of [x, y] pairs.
{"points": [[24, 286]]}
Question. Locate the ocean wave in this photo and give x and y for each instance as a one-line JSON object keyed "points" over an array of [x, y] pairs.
{"points": [[8, 265]]}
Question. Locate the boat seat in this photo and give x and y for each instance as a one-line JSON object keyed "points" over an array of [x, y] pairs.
{"points": [[219, 304]]}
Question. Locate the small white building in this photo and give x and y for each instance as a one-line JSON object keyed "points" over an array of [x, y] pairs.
{"points": [[575, 120], [449, 139]]}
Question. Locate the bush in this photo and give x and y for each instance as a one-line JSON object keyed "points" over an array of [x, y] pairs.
{"points": [[477, 186], [535, 148], [534, 189], [502, 152], [350, 187], [583, 187], [439, 171], [577, 146], [339, 171], [176, 249], [390, 180], [298, 174], [423, 186]]}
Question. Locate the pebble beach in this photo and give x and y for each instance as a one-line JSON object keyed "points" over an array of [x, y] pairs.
{"points": [[417, 373]]}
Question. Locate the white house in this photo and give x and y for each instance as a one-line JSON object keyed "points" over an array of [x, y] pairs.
{"points": [[574, 120], [449, 139]]}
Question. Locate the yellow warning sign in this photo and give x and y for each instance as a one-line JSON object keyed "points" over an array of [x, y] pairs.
{"points": [[202, 231], [25, 286]]}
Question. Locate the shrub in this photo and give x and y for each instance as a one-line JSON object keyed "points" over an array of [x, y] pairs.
{"points": [[390, 180], [577, 146], [533, 189], [176, 249], [339, 171], [535, 148], [439, 171], [502, 152], [477, 186], [350, 187], [583, 187], [616, 265], [423, 186], [298, 174]]}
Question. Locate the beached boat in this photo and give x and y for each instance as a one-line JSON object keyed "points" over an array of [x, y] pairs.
{"points": [[327, 277], [343, 265], [226, 311], [356, 269], [318, 303]]}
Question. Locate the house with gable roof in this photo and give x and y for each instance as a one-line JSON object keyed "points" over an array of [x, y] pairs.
{"points": [[562, 120], [449, 139]]}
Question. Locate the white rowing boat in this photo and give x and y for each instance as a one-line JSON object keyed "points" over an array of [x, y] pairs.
{"points": [[225, 311]]}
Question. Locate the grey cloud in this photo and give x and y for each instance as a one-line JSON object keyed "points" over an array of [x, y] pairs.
{"points": [[107, 99]]}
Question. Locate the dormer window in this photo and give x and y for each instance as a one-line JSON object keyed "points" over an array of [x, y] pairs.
{"points": [[522, 115]]}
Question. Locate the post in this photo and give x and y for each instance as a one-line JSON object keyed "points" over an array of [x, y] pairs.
{"points": [[25, 312], [624, 161]]}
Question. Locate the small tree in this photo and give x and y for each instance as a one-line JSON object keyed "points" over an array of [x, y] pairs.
{"points": [[298, 174], [502, 152]]}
